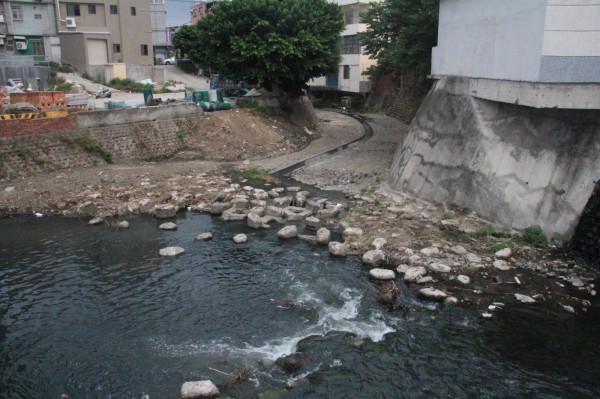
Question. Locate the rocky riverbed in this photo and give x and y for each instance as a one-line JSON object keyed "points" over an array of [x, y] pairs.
{"points": [[453, 252]]}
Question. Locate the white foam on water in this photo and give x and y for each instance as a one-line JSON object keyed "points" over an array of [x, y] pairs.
{"points": [[342, 318]]}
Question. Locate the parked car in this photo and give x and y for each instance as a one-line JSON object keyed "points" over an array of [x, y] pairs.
{"points": [[169, 61]]}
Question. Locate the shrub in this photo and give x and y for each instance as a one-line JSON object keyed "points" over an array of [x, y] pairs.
{"points": [[533, 235]]}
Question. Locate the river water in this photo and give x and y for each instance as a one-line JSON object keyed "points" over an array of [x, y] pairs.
{"points": [[94, 312]]}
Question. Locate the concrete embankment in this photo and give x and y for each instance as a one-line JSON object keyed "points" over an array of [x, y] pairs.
{"points": [[519, 166]]}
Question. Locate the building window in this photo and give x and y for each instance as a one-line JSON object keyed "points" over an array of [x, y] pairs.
{"points": [[113, 9], [346, 72], [37, 16], [17, 12], [349, 17], [91, 9], [144, 48], [350, 45], [133, 11], [73, 10], [37, 47], [116, 48]]}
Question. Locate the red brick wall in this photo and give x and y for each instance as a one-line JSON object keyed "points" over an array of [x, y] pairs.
{"points": [[23, 127]]}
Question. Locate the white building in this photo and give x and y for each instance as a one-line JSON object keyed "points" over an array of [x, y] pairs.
{"points": [[349, 78], [528, 52]]}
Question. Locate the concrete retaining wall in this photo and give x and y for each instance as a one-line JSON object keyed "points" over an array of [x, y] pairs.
{"points": [[515, 165], [127, 134]]}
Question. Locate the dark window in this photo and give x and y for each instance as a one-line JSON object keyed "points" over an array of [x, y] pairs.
{"points": [[144, 48], [350, 45], [113, 9], [37, 47], [17, 12], [91, 8], [116, 48], [346, 71], [349, 17], [133, 11], [37, 16], [73, 10]]}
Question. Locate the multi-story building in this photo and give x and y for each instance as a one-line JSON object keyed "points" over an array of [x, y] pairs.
{"points": [[200, 10], [349, 77], [100, 32], [28, 27], [160, 38]]}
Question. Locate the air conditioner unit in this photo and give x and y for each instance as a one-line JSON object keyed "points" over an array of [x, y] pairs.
{"points": [[71, 23], [21, 45], [1, 19], [1, 41]]}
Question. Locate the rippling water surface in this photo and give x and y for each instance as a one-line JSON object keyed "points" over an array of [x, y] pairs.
{"points": [[94, 312]]}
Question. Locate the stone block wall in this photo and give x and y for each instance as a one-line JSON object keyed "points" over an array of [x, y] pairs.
{"points": [[88, 138]]}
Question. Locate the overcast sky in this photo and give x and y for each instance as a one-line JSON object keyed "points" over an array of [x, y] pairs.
{"points": [[178, 12]]}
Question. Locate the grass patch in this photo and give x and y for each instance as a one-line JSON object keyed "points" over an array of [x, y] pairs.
{"points": [[499, 246], [484, 231], [447, 216], [259, 174], [367, 191], [533, 235], [89, 145]]}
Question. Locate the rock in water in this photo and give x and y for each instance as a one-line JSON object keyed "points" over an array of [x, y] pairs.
{"points": [[168, 226], [501, 265], [414, 273], [338, 248], [254, 221], [323, 236], [240, 238], [373, 257], [124, 224], [352, 232], [96, 221], [204, 236], [171, 251], [463, 279], [288, 232], [524, 298], [165, 211], [382, 274], [432, 294], [199, 389], [291, 363]]}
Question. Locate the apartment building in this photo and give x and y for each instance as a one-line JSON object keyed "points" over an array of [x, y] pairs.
{"points": [[200, 10], [349, 77], [96, 33], [160, 38], [28, 27]]}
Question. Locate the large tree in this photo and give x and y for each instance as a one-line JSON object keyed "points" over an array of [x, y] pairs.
{"points": [[279, 43], [400, 35]]}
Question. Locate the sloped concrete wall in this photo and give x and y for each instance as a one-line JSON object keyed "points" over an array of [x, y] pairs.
{"points": [[516, 165]]}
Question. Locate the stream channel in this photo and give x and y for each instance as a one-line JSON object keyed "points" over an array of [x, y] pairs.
{"points": [[94, 312]]}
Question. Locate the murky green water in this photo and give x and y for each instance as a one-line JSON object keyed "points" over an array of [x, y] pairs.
{"points": [[93, 312]]}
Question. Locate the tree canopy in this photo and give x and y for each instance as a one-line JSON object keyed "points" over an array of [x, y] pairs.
{"points": [[401, 33], [282, 43]]}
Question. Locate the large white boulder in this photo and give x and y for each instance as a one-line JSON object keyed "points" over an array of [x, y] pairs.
{"points": [[338, 248], [171, 251], [199, 390], [323, 236], [382, 274], [288, 232], [414, 273], [165, 211], [373, 257]]}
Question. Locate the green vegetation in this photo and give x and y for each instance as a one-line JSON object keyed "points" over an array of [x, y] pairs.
{"points": [[400, 35], [112, 223], [259, 174], [484, 231], [27, 153], [499, 246], [533, 235], [280, 44], [56, 67], [367, 191], [89, 145], [447, 215]]}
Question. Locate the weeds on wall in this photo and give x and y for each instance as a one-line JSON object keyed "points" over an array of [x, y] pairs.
{"points": [[88, 144], [26, 153]]}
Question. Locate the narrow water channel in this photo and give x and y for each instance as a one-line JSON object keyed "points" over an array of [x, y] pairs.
{"points": [[94, 312]]}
